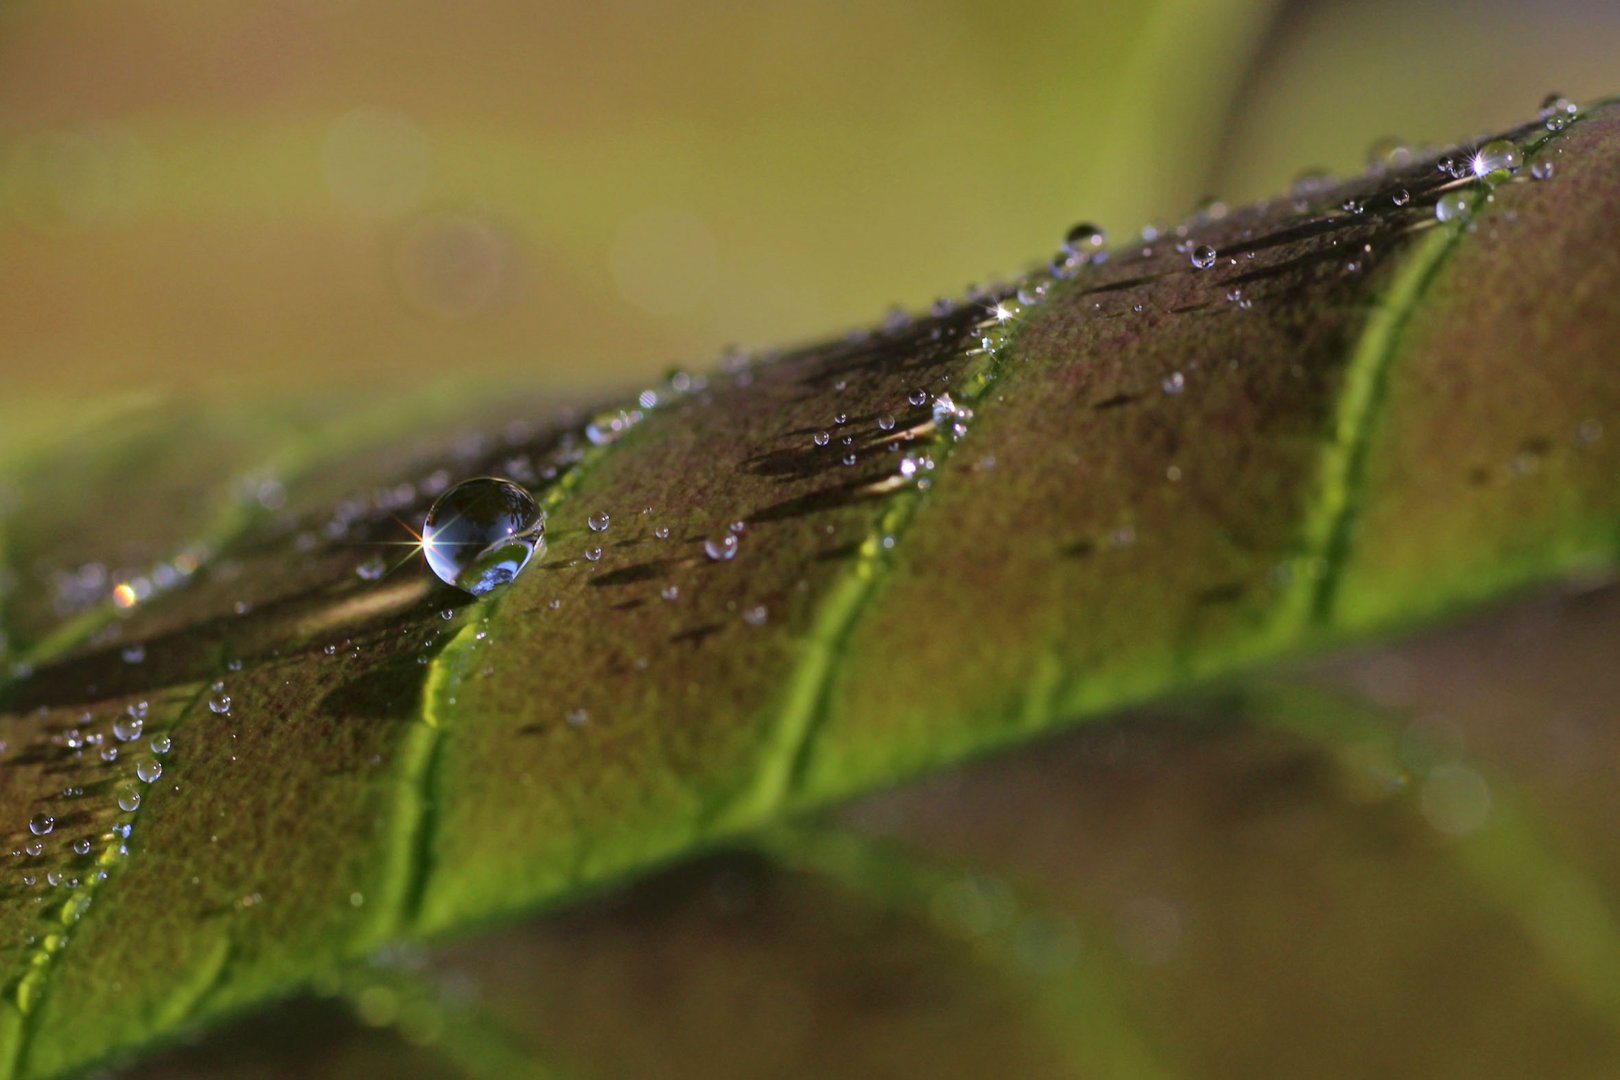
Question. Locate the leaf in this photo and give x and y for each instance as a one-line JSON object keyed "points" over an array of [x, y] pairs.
{"points": [[1354, 420], [1157, 894]]}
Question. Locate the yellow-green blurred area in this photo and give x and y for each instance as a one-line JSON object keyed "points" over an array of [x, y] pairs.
{"points": [[298, 197]]}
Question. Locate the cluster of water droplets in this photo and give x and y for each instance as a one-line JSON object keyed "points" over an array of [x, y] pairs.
{"points": [[79, 835]]}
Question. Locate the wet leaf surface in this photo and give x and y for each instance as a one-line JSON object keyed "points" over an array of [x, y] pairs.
{"points": [[822, 572]]}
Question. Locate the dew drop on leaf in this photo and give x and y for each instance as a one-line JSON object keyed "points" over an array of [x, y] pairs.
{"points": [[1452, 207], [41, 824], [127, 728], [1203, 256], [481, 533], [1085, 239], [149, 770], [1496, 160], [721, 548]]}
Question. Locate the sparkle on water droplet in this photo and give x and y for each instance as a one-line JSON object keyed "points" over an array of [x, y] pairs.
{"points": [[481, 533]]}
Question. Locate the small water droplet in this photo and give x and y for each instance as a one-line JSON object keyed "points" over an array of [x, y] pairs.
{"points": [[1541, 170], [41, 824], [34, 848], [1085, 239], [81, 846], [597, 522], [1557, 111], [1401, 197], [218, 704], [1174, 383], [593, 554], [670, 592], [721, 548], [756, 615], [1203, 256], [148, 770], [481, 533], [662, 532], [127, 728], [161, 744], [129, 798], [821, 438], [1453, 206], [885, 422]]}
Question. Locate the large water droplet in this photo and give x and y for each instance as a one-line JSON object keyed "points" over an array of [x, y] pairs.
{"points": [[149, 770], [481, 533], [1496, 160], [41, 824], [1203, 256]]}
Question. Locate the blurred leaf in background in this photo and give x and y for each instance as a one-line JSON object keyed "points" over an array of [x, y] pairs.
{"points": [[307, 195]]}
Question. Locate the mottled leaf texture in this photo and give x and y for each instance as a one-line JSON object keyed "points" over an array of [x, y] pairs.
{"points": [[249, 740]]}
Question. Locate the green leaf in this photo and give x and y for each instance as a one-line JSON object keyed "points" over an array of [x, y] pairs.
{"points": [[1353, 420]]}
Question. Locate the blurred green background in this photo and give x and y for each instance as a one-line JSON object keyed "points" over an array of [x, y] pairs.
{"points": [[214, 199]]}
